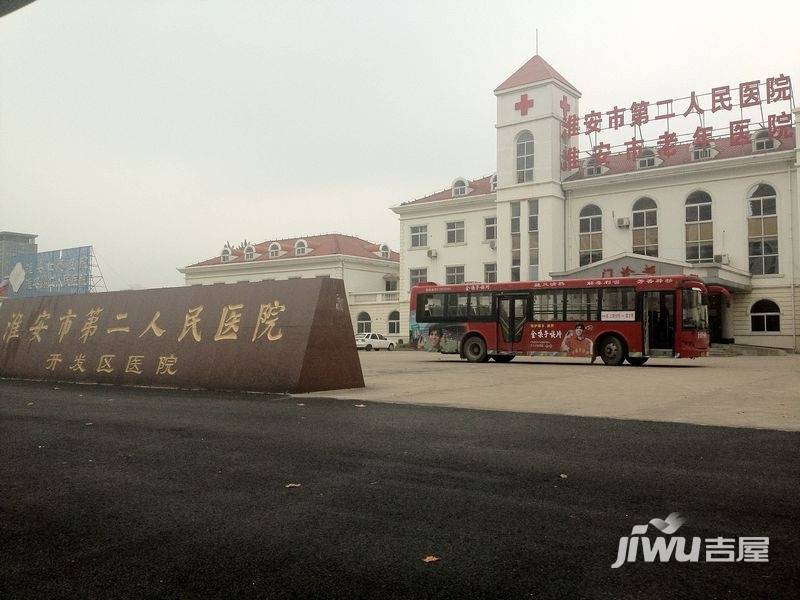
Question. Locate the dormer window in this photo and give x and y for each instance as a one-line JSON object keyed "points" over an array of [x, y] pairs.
{"points": [[225, 255], [592, 169], [646, 159], [493, 183], [701, 153], [384, 250], [762, 141], [459, 188], [274, 250], [249, 253], [300, 248]]}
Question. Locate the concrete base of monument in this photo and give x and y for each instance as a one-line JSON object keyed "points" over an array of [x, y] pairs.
{"points": [[269, 336]]}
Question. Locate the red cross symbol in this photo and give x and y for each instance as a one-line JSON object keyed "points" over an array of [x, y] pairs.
{"points": [[523, 105], [564, 106]]}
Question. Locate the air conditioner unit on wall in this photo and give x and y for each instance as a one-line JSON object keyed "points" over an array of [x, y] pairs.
{"points": [[432, 253], [623, 222], [493, 245], [722, 259]]}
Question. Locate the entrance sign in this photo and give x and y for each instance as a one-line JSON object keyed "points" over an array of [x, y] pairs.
{"points": [[276, 336]]}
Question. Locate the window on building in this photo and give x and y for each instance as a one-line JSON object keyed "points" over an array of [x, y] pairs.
{"points": [[490, 272], [394, 322], [591, 169], [391, 285], [490, 228], [493, 182], [700, 153], [515, 241], [455, 232], [590, 235], [384, 250], [249, 253], [364, 323], [524, 157], [646, 159], [419, 236], [645, 227], [300, 247], [762, 230], [765, 315], [699, 228], [762, 141], [418, 276], [274, 250], [225, 255], [460, 188], [533, 239], [454, 274]]}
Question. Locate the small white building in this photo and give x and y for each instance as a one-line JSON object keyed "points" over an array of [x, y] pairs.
{"points": [[727, 210], [370, 273]]}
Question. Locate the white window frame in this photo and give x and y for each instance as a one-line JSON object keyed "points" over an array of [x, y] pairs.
{"points": [[764, 316], [249, 253], [451, 275], [274, 250], [394, 324], [644, 228], [300, 248], [420, 236], [490, 269], [590, 219], [763, 237], [455, 228], [487, 226], [460, 188], [225, 255], [411, 276], [525, 150], [699, 243], [363, 325]]}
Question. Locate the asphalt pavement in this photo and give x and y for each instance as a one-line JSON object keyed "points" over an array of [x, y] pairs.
{"points": [[112, 492]]}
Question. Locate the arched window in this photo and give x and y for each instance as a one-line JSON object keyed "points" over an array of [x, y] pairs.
{"points": [[394, 322], [493, 183], [364, 323], [225, 255], [274, 250], [765, 315], [591, 235], [699, 228], [645, 227], [300, 247], [384, 250], [762, 230], [459, 187], [524, 157], [249, 253]]}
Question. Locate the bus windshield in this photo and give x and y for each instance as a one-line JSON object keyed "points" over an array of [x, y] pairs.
{"points": [[695, 310]]}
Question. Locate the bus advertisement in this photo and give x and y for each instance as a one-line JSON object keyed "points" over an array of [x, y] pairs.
{"points": [[615, 319]]}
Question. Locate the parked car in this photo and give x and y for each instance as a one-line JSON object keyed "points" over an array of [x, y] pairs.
{"points": [[373, 341]]}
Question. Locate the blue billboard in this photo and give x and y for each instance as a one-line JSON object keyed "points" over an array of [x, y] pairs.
{"points": [[67, 271]]}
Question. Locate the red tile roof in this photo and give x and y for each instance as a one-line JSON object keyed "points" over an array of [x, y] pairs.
{"points": [[479, 187], [536, 69], [620, 163], [319, 245]]}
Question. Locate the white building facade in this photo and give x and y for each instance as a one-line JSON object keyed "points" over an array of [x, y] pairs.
{"points": [[726, 212], [369, 272]]}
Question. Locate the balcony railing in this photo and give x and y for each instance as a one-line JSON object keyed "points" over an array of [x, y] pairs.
{"points": [[373, 297]]}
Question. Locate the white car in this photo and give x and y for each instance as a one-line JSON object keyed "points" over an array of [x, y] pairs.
{"points": [[373, 341]]}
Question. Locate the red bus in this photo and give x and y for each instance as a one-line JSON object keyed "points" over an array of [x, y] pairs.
{"points": [[616, 319]]}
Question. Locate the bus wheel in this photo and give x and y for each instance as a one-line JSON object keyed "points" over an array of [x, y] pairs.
{"points": [[612, 351], [503, 358], [475, 349], [637, 361]]}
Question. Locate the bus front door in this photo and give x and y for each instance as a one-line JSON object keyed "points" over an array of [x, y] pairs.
{"points": [[659, 323], [512, 314]]}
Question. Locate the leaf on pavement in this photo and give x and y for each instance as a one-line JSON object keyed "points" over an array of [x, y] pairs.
{"points": [[431, 559], [360, 405], [563, 476], [293, 485]]}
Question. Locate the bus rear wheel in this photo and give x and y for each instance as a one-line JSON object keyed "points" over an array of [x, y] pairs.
{"points": [[475, 349], [637, 361], [502, 358], [612, 350]]}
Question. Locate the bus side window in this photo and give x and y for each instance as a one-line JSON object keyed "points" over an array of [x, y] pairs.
{"points": [[620, 298], [581, 305], [480, 305], [431, 307], [546, 306], [456, 306]]}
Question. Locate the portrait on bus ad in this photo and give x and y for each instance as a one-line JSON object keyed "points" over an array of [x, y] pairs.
{"points": [[563, 339], [435, 337]]}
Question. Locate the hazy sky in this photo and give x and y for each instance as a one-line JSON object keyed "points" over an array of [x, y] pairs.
{"points": [[157, 130]]}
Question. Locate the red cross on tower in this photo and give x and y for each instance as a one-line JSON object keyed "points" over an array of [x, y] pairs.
{"points": [[564, 106], [523, 105]]}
